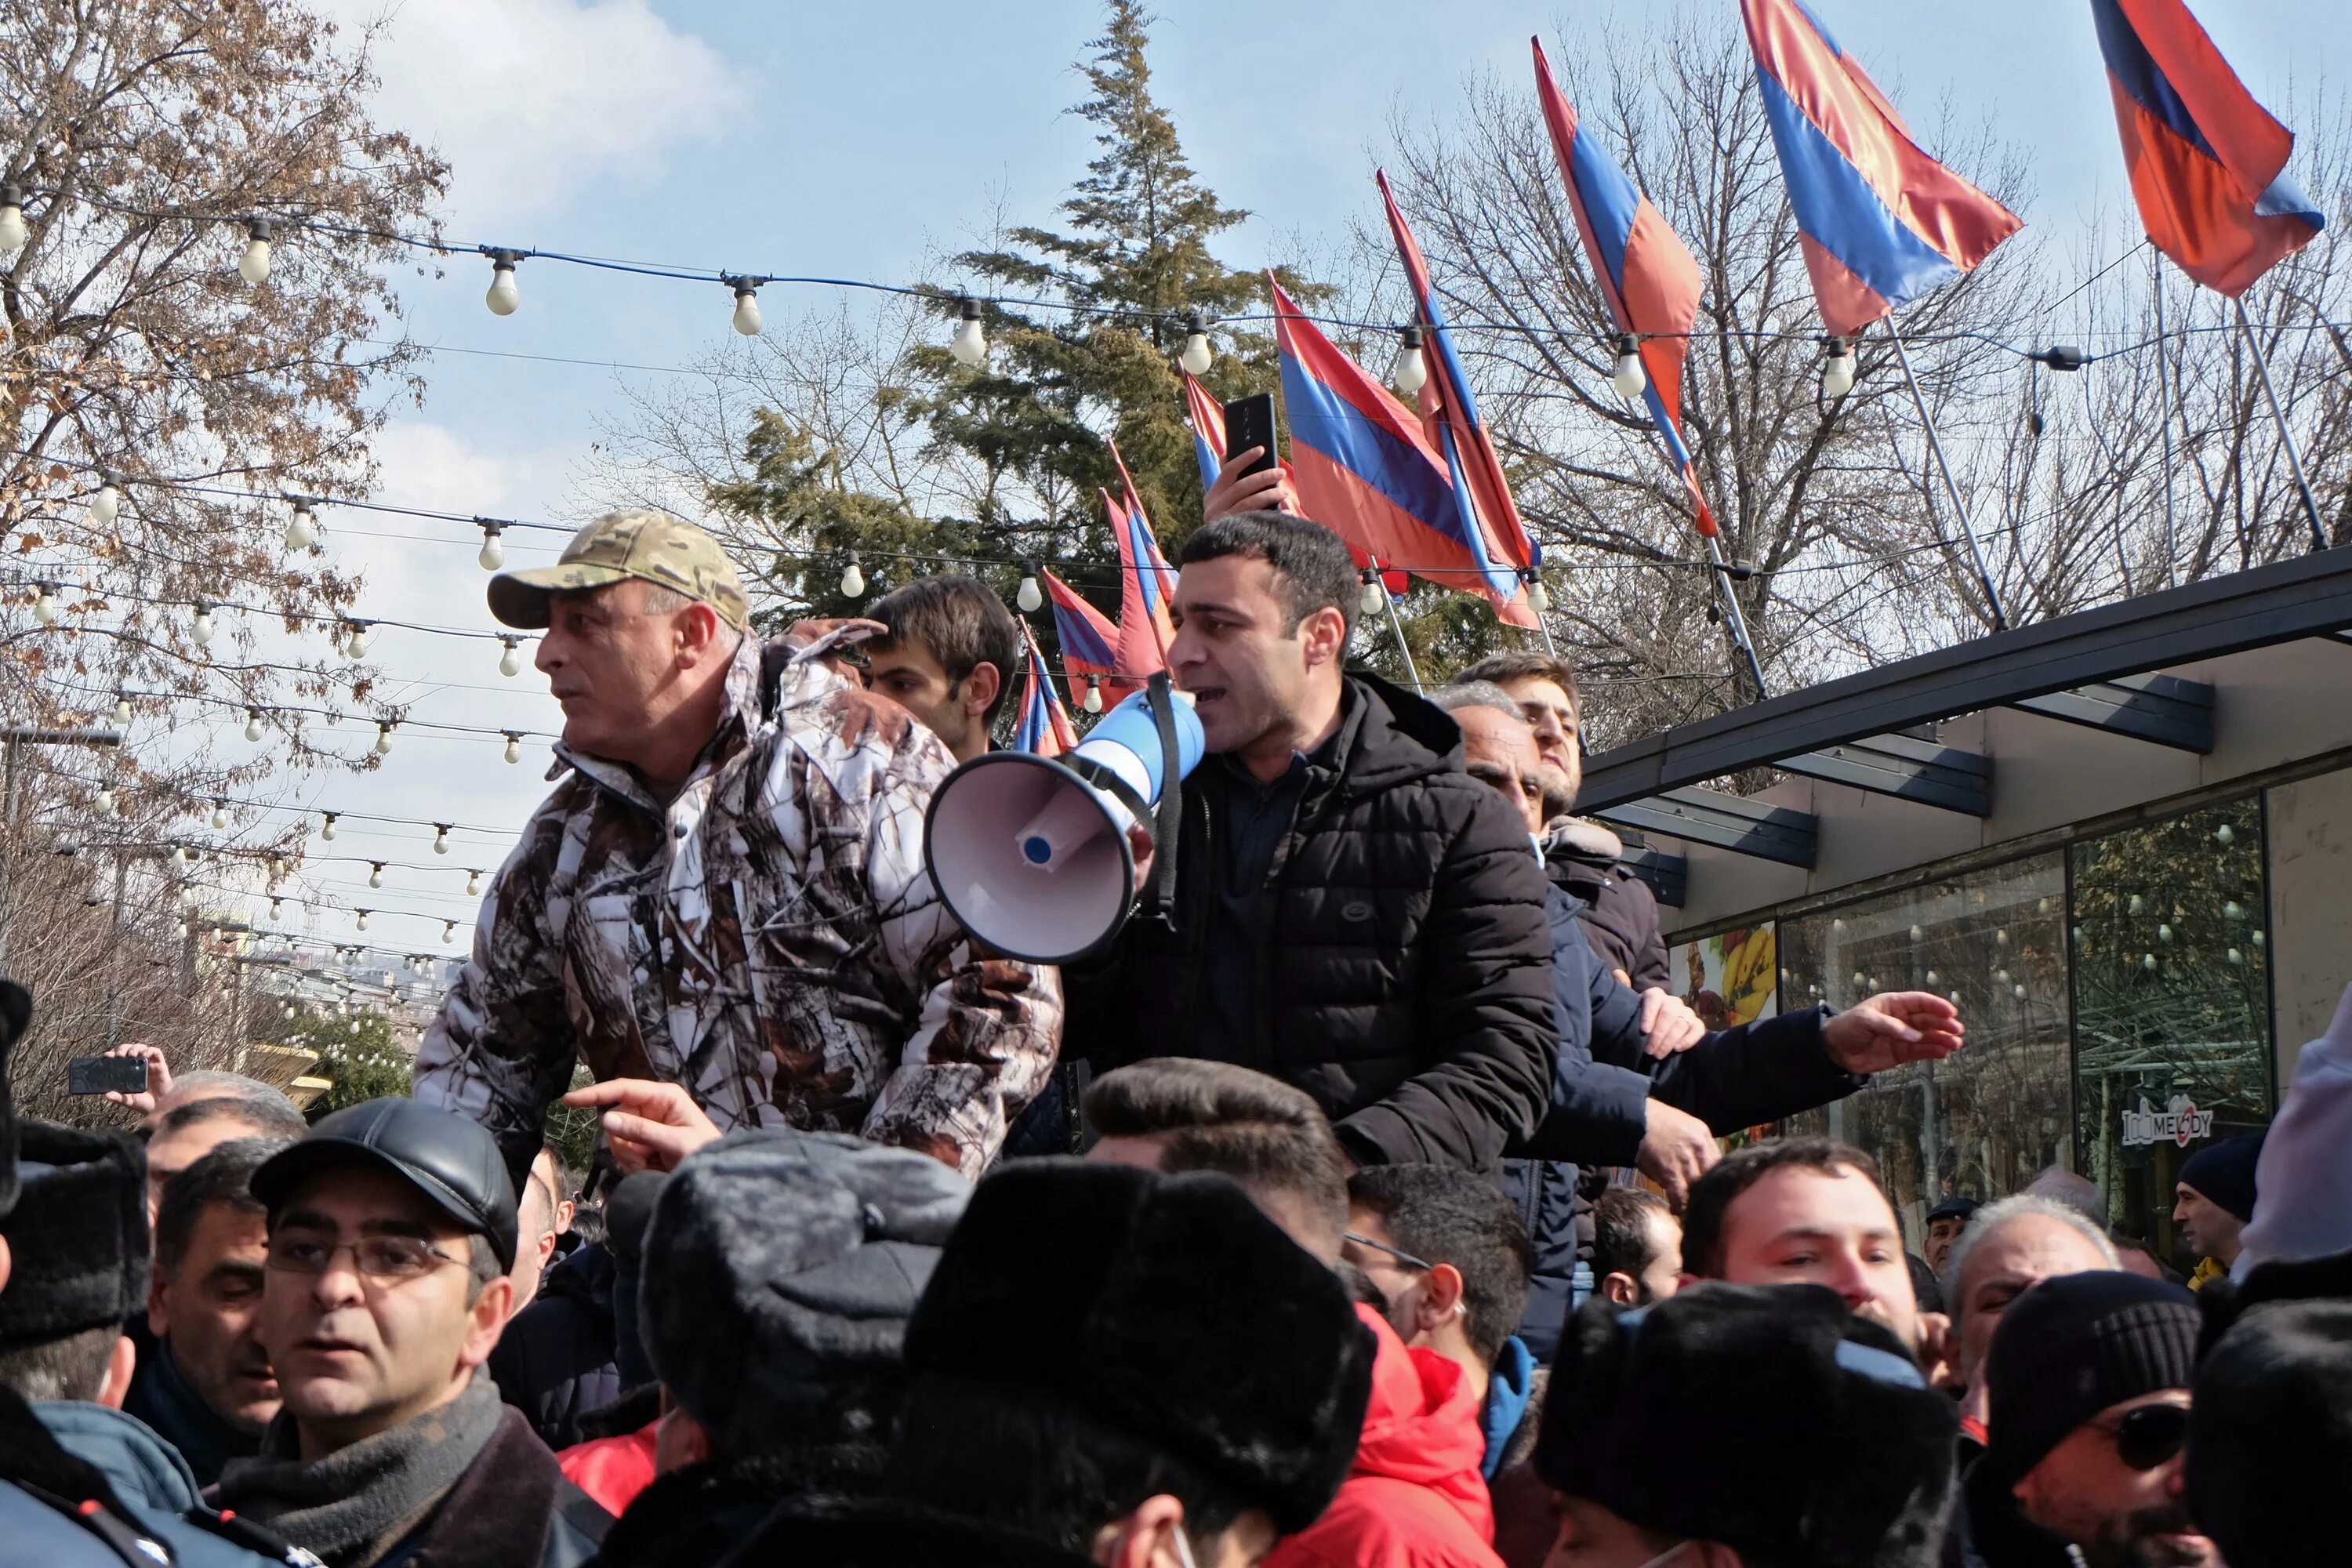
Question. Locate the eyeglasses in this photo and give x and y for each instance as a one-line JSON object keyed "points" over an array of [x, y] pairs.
{"points": [[393, 1257], [2151, 1435], [1407, 1258]]}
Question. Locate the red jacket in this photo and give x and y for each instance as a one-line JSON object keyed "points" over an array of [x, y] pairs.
{"points": [[1415, 1499], [612, 1470]]}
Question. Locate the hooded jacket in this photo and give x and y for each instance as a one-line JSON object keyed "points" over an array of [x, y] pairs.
{"points": [[1415, 1498], [1583, 860], [1404, 975], [769, 938]]}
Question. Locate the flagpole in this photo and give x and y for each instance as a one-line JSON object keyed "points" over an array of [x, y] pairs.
{"points": [[2286, 437], [1397, 627], [2164, 414], [1951, 490], [1733, 615]]}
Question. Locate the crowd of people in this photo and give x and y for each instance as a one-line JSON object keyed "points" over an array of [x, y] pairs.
{"points": [[1363, 1202]]}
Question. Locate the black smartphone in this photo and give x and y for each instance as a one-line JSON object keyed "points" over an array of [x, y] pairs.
{"points": [[1249, 422], [97, 1074]]}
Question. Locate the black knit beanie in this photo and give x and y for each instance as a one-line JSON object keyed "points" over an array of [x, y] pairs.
{"points": [[2071, 1346], [2224, 1173]]}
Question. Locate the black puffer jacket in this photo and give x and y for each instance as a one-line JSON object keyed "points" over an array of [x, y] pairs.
{"points": [[557, 1361], [1405, 980]]}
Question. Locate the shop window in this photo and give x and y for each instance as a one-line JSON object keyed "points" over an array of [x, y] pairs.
{"points": [[1984, 1122], [2171, 1004]]}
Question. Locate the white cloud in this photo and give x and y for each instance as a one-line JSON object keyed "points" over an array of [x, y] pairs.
{"points": [[535, 102]]}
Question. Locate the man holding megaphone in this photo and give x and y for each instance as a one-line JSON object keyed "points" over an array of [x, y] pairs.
{"points": [[1338, 903]]}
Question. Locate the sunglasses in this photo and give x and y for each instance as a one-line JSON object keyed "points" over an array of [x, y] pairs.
{"points": [[2151, 1435], [1407, 1258]]}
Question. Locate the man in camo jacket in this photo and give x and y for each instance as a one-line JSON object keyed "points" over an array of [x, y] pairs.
{"points": [[727, 891]]}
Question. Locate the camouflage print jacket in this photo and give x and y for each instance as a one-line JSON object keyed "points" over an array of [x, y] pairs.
{"points": [[770, 940]]}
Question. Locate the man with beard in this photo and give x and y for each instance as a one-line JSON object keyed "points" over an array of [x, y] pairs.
{"points": [[2089, 1379]]}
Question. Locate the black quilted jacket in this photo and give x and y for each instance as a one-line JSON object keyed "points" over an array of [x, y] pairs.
{"points": [[1407, 978]]}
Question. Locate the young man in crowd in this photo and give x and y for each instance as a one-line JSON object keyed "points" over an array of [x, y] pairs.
{"points": [[1176, 1115], [1637, 1247], [945, 655], [1352, 912], [652, 922], [2213, 1200], [1110, 1366], [1945, 1222], [780, 1269], [391, 1227], [2010, 1247], [1743, 1427], [1451, 1257], [1581, 857], [558, 1361], [206, 1386], [1808, 1211], [2089, 1376]]}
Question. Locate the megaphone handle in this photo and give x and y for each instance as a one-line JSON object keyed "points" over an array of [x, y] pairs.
{"points": [[1168, 821]]}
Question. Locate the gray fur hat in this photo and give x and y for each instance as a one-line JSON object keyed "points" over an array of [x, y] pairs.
{"points": [[780, 1269]]}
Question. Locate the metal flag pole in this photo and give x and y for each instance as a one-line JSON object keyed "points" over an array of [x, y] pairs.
{"points": [[1395, 624], [2286, 437], [1951, 490], [1734, 616], [2164, 414]]}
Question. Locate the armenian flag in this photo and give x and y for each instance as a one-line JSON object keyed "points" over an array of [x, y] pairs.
{"points": [[1090, 642], [1207, 417], [1146, 583], [1045, 727]]}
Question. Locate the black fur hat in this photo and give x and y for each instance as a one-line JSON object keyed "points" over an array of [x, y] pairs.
{"points": [[1166, 1306], [78, 1239], [1767, 1417]]}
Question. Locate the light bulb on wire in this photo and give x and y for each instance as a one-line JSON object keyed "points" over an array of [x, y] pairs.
{"points": [[853, 580], [510, 661], [121, 709], [253, 723], [1538, 596], [493, 552], [362, 920], [375, 873], [1628, 376], [303, 528], [199, 630], [1410, 374], [441, 838], [1027, 597], [254, 264], [220, 815], [106, 803], [383, 737], [970, 344], [503, 296], [1197, 355], [514, 746], [1092, 704], [327, 826], [106, 504], [747, 306], [1372, 600], [1837, 372], [449, 930], [355, 639], [44, 604], [13, 231]]}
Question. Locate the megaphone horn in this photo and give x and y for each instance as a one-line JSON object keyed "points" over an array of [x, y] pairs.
{"points": [[1031, 854]]}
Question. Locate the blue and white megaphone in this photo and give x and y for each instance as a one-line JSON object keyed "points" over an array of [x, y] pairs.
{"points": [[1031, 854]]}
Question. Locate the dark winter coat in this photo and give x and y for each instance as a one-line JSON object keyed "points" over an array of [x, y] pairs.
{"points": [[555, 1361], [1987, 1532], [1620, 913], [1404, 975], [160, 1397], [82, 1484], [836, 1532], [512, 1506], [1730, 1080], [693, 1517]]}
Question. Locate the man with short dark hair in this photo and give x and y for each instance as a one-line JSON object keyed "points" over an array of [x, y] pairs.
{"points": [[2089, 1376], [392, 1227], [1637, 1247], [1738, 1426], [1176, 1115], [1803, 1211], [1351, 913], [728, 891], [946, 656], [1448, 1253], [1583, 858], [206, 1386], [1110, 1366], [185, 1129]]}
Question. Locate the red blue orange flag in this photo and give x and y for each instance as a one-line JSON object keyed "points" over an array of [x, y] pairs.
{"points": [[1090, 642], [1045, 727], [1363, 467], [1146, 583], [1487, 519], [1881, 222], [1207, 417], [1645, 272], [2207, 161]]}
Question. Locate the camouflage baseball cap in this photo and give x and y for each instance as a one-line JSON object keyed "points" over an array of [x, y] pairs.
{"points": [[649, 545]]}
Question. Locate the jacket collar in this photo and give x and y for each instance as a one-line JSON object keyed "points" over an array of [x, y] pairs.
{"points": [[501, 1510], [1994, 1534], [740, 720], [1391, 737], [142, 1466]]}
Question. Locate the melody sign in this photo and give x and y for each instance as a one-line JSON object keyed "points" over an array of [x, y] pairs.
{"points": [[2180, 1122]]}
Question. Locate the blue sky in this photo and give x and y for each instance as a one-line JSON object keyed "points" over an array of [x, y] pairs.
{"points": [[855, 140]]}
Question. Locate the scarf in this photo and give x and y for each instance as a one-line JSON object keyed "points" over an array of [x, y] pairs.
{"points": [[355, 1504]]}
